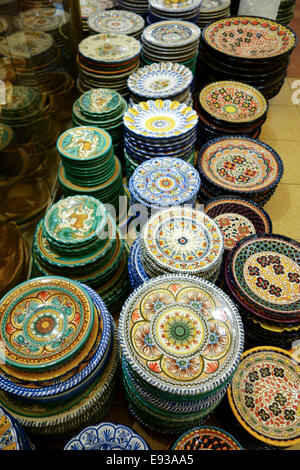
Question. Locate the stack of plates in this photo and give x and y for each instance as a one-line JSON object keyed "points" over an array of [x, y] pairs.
{"points": [[92, 7], [164, 182], [12, 434], [212, 10], [263, 275], [118, 22], [171, 41], [78, 238], [230, 108], [185, 10], [138, 6], [206, 438], [107, 436], [239, 166], [5, 27], [106, 61], [9, 8], [163, 80], [181, 240], [60, 356], [181, 342], [264, 396], [286, 11], [102, 108], [89, 165], [160, 128], [137, 273], [251, 50]]}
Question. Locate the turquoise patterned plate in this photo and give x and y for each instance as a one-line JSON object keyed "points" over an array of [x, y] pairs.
{"points": [[84, 143]]}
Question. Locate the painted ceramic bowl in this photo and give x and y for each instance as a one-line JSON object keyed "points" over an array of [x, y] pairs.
{"points": [[181, 335], [107, 436], [206, 438], [264, 395]]}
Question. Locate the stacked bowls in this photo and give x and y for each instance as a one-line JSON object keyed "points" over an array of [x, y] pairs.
{"points": [[239, 166], [163, 80], [78, 238], [185, 10], [118, 22], [171, 41], [106, 61], [252, 50], [181, 341], [138, 6], [213, 10], [230, 108], [263, 276], [286, 11], [60, 359]]}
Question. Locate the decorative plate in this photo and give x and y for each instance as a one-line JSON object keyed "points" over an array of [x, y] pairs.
{"points": [[9, 438], [43, 322], [179, 6], [214, 6], [109, 47], [75, 219], [165, 181], [264, 395], [84, 143], [100, 101], [249, 37], [91, 7], [181, 334], [26, 44], [238, 218], [240, 164], [42, 19], [233, 102], [171, 33], [180, 239], [107, 436], [160, 118], [206, 438], [158, 80], [265, 269], [115, 21], [6, 136]]}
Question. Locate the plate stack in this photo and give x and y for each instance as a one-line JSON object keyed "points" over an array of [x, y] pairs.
{"points": [[181, 342], [286, 11], [212, 10], [78, 238], [106, 61], [118, 22], [185, 10], [263, 276], [171, 41], [102, 108], [239, 166], [137, 273], [12, 434], [181, 240], [93, 7], [61, 357], [251, 50], [160, 128], [89, 166], [163, 80], [137, 6], [230, 108]]}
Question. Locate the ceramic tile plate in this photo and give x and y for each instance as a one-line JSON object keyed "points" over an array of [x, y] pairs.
{"points": [[181, 239], [171, 33], [26, 44], [107, 436], [264, 395], [240, 164], [109, 47], [116, 21], [233, 102], [84, 143], [160, 79], [181, 335], [265, 269], [160, 118], [249, 37], [206, 438], [44, 321]]}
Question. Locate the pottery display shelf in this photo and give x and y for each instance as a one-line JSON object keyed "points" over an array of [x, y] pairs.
{"points": [[161, 10], [251, 50], [213, 10], [174, 373], [60, 356], [116, 21]]}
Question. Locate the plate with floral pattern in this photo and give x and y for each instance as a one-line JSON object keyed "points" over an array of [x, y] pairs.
{"points": [[171, 33], [116, 21], [206, 438], [107, 436], [109, 47], [249, 37], [44, 321], [181, 335], [264, 395]]}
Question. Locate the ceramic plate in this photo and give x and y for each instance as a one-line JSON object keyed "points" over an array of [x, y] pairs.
{"points": [[42, 19], [100, 101], [177, 6], [249, 37], [264, 395], [115, 21], [84, 143], [107, 436], [91, 7], [9, 437], [43, 322], [171, 33], [26, 44], [206, 438], [109, 47], [160, 80], [181, 335], [214, 6]]}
